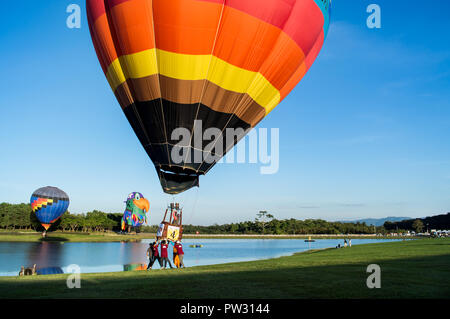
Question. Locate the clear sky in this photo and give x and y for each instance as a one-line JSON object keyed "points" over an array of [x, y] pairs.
{"points": [[365, 134]]}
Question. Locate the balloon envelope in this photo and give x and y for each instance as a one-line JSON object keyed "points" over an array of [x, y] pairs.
{"points": [[49, 271], [49, 204], [135, 211], [202, 65]]}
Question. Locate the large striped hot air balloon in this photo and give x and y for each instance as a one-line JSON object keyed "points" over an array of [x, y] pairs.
{"points": [[226, 63], [49, 204]]}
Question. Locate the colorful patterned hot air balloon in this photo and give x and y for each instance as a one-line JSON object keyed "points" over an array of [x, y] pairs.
{"points": [[49, 204], [226, 63], [135, 210]]}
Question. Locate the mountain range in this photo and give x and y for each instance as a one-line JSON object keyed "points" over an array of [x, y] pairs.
{"points": [[378, 221]]}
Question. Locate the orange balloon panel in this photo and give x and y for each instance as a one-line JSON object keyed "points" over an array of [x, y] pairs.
{"points": [[202, 64]]}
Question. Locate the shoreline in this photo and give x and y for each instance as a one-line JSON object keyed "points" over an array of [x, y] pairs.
{"points": [[18, 236], [314, 250], [156, 269]]}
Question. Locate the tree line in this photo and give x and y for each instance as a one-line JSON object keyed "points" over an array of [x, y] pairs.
{"points": [[286, 227], [438, 222], [20, 216]]}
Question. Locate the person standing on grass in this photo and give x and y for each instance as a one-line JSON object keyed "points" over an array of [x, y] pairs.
{"points": [[156, 256], [349, 243], [345, 243], [150, 256], [180, 252], [164, 255]]}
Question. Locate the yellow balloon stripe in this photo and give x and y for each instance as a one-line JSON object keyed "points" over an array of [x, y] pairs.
{"points": [[194, 67]]}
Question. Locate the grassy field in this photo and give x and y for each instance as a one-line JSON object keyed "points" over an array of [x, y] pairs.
{"points": [[409, 269]]}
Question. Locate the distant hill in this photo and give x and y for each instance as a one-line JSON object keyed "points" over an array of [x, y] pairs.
{"points": [[378, 221]]}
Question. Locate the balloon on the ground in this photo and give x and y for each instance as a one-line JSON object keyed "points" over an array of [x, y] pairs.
{"points": [[202, 65], [136, 207], [49, 204], [134, 267], [50, 271]]}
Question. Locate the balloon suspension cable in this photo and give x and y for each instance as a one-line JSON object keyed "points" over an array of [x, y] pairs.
{"points": [[191, 215]]}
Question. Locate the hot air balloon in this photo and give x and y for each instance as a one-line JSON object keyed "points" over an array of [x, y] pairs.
{"points": [[49, 204], [134, 215], [202, 64]]}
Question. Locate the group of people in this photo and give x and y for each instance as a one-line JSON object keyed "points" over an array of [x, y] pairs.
{"points": [[27, 271], [349, 243], [154, 254]]}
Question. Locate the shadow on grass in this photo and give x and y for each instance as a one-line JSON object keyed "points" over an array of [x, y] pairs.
{"points": [[425, 277], [53, 239]]}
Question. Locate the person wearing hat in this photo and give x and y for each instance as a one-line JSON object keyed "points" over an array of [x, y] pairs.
{"points": [[179, 247]]}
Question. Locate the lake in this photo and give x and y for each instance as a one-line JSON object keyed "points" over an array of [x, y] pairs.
{"points": [[112, 256]]}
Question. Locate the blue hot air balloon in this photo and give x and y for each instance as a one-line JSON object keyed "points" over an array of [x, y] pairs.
{"points": [[49, 204]]}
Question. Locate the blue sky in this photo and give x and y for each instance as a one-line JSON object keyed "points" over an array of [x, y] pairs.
{"points": [[365, 134]]}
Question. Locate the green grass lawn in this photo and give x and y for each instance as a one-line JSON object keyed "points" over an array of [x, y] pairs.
{"points": [[409, 269]]}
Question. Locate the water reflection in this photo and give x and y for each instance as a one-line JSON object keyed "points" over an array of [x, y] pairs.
{"points": [[112, 256], [44, 255]]}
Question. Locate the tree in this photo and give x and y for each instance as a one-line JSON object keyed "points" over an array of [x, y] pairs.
{"points": [[417, 226], [263, 218]]}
